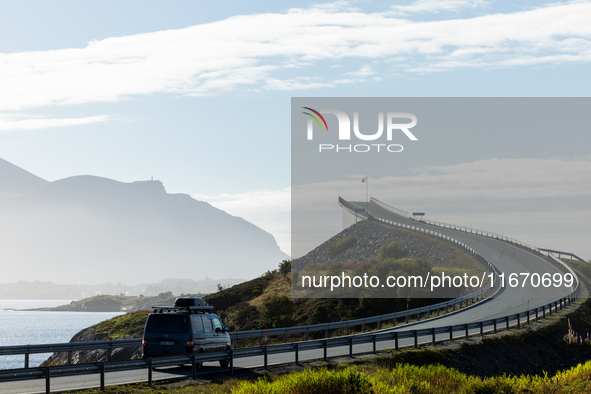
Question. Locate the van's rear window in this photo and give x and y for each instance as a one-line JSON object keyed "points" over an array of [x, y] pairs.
{"points": [[167, 323]]}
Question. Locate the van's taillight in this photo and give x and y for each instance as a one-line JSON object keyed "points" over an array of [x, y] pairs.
{"points": [[190, 342], [143, 341]]}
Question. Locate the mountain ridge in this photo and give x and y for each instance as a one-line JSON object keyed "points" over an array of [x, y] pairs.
{"points": [[135, 231]]}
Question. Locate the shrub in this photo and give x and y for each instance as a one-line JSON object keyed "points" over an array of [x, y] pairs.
{"points": [[345, 381], [390, 250], [278, 311], [285, 267], [339, 246]]}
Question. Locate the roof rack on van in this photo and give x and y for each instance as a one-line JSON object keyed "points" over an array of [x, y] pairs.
{"points": [[189, 309]]}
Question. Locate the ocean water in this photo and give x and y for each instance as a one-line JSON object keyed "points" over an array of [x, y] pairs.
{"points": [[34, 328]]}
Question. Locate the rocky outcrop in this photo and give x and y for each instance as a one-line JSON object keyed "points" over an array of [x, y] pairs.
{"points": [[370, 236], [92, 356]]}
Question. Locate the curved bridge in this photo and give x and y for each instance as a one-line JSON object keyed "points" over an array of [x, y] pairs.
{"points": [[505, 257]]}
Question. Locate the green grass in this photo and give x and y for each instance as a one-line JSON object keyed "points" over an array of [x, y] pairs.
{"points": [[402, 379], [130, 325]]}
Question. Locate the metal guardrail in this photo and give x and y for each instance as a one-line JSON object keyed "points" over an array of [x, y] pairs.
{"points": [[558, 252], [326, 327], [453, 226], [561, 264], [408, 338]]}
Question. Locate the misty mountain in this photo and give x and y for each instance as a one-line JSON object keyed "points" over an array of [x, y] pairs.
{"points": [[90, 230], [14, 181]]}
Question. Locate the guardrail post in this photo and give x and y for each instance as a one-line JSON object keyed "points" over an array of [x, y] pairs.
{"points": [[150, 371], [433, 335], [394, 322], [549, 309], [26, 360], [284, 338], [231, 362], [518, 321], [537, 317], [561, 304], [428, 313], [466, 328], [481, 329], [528, 316], [102, 371], [451, 333], [351, 347], [193, 367], [234, 343], [373, 339], [306, 336], [495, 326], [265, 356], [395, 341], [326, 333], [69, 357], [324, 344], [362, 327], [507, 322], [260, 342], [109, 351], [415, 335], [555, 306], [47, 380], [297, 354], [406, 318]]}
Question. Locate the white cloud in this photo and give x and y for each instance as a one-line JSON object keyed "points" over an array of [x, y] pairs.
{"points": [[252, 51], [14, 122], [436, 6], [364, 71], [268, 209]]}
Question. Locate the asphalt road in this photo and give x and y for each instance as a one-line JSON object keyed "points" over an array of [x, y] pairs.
{"points": [[506, 258]]}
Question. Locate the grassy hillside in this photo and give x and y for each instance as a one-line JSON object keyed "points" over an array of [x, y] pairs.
{"points": [[266, 301]]}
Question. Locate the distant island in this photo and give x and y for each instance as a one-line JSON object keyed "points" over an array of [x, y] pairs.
{"points": [[38, 290]]}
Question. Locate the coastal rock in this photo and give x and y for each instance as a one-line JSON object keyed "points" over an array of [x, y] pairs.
{"points": [[92, 356]]}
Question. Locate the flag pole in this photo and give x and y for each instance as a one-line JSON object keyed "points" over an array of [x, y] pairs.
{"points": [[366, 189]]}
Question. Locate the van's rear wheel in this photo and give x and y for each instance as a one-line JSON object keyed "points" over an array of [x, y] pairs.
{"points": [[226, 362]]}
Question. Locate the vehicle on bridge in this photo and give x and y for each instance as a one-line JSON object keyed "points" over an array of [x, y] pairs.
{"points": [[185, 328]]}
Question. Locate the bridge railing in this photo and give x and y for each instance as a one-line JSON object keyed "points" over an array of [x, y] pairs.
{"points": [[559, 263]]}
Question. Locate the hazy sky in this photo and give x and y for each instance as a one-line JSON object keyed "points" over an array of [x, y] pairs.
{"points": [[197, 94]]}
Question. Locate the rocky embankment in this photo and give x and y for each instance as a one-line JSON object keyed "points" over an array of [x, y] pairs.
{"points": [[370, 236]]}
